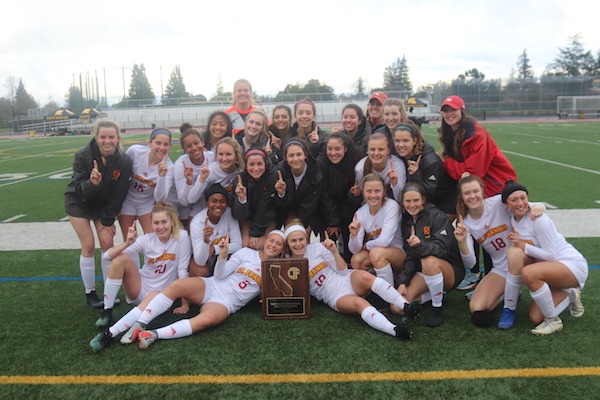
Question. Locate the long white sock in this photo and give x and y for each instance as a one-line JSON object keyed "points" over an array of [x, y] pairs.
{"points": [[87, 266], [386, 274], [158, 305], [563, 304], [425, 297], [176, 330], [125, 322], [105, 267], [512, 288], [543, 298], [377, 320], [435, 283], [111, 288], [388, 293]]}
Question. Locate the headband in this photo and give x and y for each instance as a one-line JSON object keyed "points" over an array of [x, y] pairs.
{"points": [[294, 228], [295, 142], [310, 103], [255, 152], [404, 127], [510, 188], [378, 134], [160, 131], [412, 188], [277, 232]]}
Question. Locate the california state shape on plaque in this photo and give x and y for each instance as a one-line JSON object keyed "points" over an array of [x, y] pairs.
{"points": [[285, 292]]}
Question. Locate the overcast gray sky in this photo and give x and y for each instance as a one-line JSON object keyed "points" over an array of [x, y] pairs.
{"points": [[273, 43]]}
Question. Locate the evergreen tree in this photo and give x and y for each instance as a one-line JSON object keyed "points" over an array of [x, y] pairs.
{"points": [[524, 69], [397, 74], [313, 87], [572, 60], [140, 88], [360, 87], [175, 86], [220, 90], [23, 100]]}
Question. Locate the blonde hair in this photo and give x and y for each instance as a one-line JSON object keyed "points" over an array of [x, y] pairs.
{"points": [[172, 215], [249, 84], [107, 124], [265, 129], [239, 153], [397, 102]]}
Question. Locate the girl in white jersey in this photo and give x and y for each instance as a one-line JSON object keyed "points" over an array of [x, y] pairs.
{"points": [[375, 233], [187, 169], [331, 282], [151, 180], [167, 253], [380, 160], [210, 226], [552, 269], [488, 222], [229, 163], [236, 282]]}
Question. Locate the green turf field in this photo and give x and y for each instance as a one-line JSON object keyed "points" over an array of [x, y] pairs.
{"points": [[45, 326]]}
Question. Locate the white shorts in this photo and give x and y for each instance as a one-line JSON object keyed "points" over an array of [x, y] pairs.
{"points": [[130, 208], [336, 286], [144, 290], [215, 292], [579, 268]]}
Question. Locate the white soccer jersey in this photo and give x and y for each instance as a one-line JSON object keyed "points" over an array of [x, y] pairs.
{"points": [[181, 188], [321, 266], [545, 243], [216, 175], [145, 185], [398, 167], [227, 224], [381, 230], [242, 275], [163, 262]]}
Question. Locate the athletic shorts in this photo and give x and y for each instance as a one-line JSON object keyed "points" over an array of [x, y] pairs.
{"points": [[336, 286], [216, 292], [579, 268], [144, 290], [129, 208]]}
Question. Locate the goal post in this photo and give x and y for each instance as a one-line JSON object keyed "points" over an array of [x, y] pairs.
{"points": [[578, 107]]}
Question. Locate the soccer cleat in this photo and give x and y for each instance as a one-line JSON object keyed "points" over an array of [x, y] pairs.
{"points": [[548, 327], [436, 318], [100, 341], [469, 295], [471, 280], [104, 319], [132, 334], [507, 319], [576, 307], [403, 330], [146, 338], [93, 300], [413, 310]]}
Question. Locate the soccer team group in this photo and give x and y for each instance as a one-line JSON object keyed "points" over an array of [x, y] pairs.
{"points": [[394, 218]]}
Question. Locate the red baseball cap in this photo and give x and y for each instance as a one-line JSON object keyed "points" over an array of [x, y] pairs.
{"points": [[454, 102], [380, 96]]}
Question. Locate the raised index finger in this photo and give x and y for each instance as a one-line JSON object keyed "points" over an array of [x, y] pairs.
{"points": [[279, 173], [95, 165], [412, 230]]}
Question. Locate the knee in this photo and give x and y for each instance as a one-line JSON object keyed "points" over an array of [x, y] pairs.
{"points": [[376, 255], [482, 319], [430, 265], [361, 304], [359, 262], [528, 275]]}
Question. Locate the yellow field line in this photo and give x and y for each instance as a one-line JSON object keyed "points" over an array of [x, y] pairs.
{"points": [[300, 378]]}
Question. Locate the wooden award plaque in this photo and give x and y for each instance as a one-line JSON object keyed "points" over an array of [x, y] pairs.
{"points": [[285, 292]]}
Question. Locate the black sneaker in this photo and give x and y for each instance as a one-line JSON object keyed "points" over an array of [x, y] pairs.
{"points": [[100, 341], [93, 300], [413, 310], [104, 319], [403, 330], [436, 317]]}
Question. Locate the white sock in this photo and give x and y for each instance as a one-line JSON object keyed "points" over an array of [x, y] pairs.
{"points": [[386, 274], [111, 288], [388, 293], [543, 298], [435, 283], [105, 267], [176, 330], [377, 320], [87, 266], [563, 304], [158, 305], [512, 288], [125, 322], [425, 297]]}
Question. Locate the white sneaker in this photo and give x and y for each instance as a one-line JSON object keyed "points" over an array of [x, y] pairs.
{"points": [[548, 327], [132, 334], [146, 338], [576, 307]]}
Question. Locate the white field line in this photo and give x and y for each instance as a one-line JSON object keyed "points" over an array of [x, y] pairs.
{"points": [[38, 176], [14, 158], [551, 162], [11, 219], [553, 138]]}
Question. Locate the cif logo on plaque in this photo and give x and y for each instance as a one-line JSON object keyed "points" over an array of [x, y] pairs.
{"points": [[285, 295]]}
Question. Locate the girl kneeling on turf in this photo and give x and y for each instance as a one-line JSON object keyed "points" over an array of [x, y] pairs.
{"points": [[553, 270], [235, 283], [375, 232], [167, 252], [343, 289]]}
